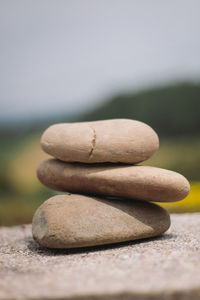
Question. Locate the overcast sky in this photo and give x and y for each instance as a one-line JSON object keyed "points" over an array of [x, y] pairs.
{"points": [[68, 55]]}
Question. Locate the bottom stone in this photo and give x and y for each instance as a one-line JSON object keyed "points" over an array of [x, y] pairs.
{"points": [[71, 221]]}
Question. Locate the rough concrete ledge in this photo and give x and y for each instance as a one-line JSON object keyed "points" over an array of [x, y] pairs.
{"points": [[166, 267]]}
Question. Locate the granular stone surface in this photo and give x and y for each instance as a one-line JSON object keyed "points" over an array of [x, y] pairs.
{"points": [[166, 267]]}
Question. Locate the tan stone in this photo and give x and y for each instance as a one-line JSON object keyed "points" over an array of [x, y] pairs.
{"points": [[70, 221], [117, 140], [134, 182]]}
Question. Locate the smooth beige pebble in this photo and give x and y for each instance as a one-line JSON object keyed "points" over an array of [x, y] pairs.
{"points": [[70, 221], [117, 140], [134, 182]]}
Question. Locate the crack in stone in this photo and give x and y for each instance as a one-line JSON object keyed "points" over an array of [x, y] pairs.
{"points": [[93, 142]]}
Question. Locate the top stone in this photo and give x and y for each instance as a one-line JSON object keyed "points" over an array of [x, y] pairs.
{"points": [[117, 140]]}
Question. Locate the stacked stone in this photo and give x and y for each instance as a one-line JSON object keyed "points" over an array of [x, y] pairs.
{"points": [[109, 196]]}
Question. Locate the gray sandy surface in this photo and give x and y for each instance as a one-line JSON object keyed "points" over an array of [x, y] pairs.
{"points": [[166, 267]]}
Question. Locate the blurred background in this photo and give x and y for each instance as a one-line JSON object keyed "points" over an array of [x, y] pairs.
{"points": [[74, 60]]}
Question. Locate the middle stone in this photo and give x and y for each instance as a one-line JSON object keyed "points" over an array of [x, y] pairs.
{"points": [[134, 182]]}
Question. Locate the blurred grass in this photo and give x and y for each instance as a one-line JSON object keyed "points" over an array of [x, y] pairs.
{"points": [[22, 193], [179, 154]]}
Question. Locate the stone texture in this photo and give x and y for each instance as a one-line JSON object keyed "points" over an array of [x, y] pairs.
{"points": [[167, 267], [134, 182], [117, 140], [71, 221]]}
